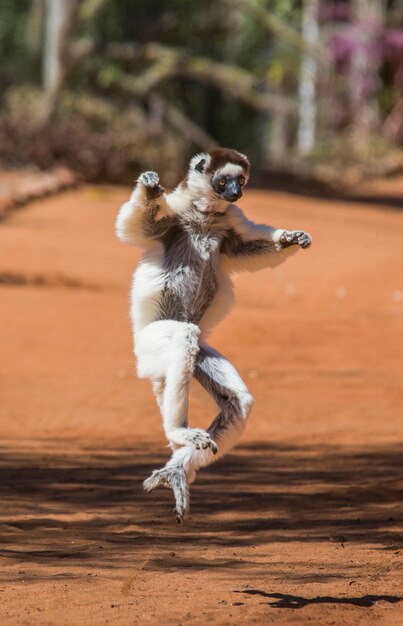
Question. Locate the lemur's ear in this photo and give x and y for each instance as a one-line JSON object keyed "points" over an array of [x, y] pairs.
{"points": [[200, 166]]}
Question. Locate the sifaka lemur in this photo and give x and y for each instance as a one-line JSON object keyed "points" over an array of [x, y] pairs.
{"points": [[194, 238]]}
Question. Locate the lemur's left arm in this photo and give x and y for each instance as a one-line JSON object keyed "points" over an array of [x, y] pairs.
{"points": [[249, 246], [146, 216]]}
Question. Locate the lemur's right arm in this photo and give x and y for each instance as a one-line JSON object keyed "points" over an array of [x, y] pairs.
{"points": [[146, 216], [249, 246]]}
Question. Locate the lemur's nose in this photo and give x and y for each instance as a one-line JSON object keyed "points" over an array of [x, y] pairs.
{"points": [[233, 191]]}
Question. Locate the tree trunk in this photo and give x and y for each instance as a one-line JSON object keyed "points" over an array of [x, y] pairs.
{"points": [[364, 73], [308, 76], [58, 22]]}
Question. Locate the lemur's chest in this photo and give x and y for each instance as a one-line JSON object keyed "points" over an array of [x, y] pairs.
{"points": [[190, 272], [205, 246], [194, 246]]}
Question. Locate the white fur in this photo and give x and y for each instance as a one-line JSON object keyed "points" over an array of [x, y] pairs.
{"points": [[230, 169], [148, 283], [129, 217], [198, 185], [197, 158], [221, 305], [166, 351]]}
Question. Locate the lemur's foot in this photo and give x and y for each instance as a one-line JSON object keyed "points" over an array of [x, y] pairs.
{"points": [[196, 437], [199, 438], [159, 478], [151, 182], [298, 237], [175, 478]]}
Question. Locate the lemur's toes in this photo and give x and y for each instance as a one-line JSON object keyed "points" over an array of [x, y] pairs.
{"points": [[208, 444], [149, 484], [214, 448], [158, 478], [175, 478], [152, 482], [201, 439]]}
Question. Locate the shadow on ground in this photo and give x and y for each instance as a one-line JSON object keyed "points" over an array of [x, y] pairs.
{"points": [[287, 601], [87, 505]]}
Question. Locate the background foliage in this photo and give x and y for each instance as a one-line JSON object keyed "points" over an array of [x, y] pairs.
{"points": [[112, 87]]}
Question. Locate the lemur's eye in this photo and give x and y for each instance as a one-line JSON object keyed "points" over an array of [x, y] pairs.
{"points": [[241, 180], [222, 182]]}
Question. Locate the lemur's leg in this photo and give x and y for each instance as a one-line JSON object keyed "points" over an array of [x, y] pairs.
{"points": [[220, 378], [158, 390], [166, 353], [223, 382]]}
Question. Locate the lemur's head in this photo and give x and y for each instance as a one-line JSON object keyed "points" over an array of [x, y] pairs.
{"points": [[219, 175]]}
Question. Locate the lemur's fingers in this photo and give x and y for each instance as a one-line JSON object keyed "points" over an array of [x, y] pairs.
{"points": [[287, 237], [151, 181], [304, 239], [298, 237]]}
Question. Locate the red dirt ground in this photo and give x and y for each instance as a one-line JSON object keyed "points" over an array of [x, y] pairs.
{"points": [[302, 523]]}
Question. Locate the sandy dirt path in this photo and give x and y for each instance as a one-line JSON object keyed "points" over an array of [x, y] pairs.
{"points": [[302, 523]]}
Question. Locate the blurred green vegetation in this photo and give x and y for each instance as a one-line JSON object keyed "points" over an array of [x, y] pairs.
{"points": [[111, 87]]}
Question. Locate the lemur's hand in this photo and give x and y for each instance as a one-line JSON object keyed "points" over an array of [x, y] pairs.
{"points": [[295, 237], [151, 182]]}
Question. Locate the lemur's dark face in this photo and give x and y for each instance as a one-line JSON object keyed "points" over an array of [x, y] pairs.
{"points": [[222, 171], [228, 186]]}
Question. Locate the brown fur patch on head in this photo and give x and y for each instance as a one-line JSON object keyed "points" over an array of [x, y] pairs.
{"points": [[221, 156]]}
